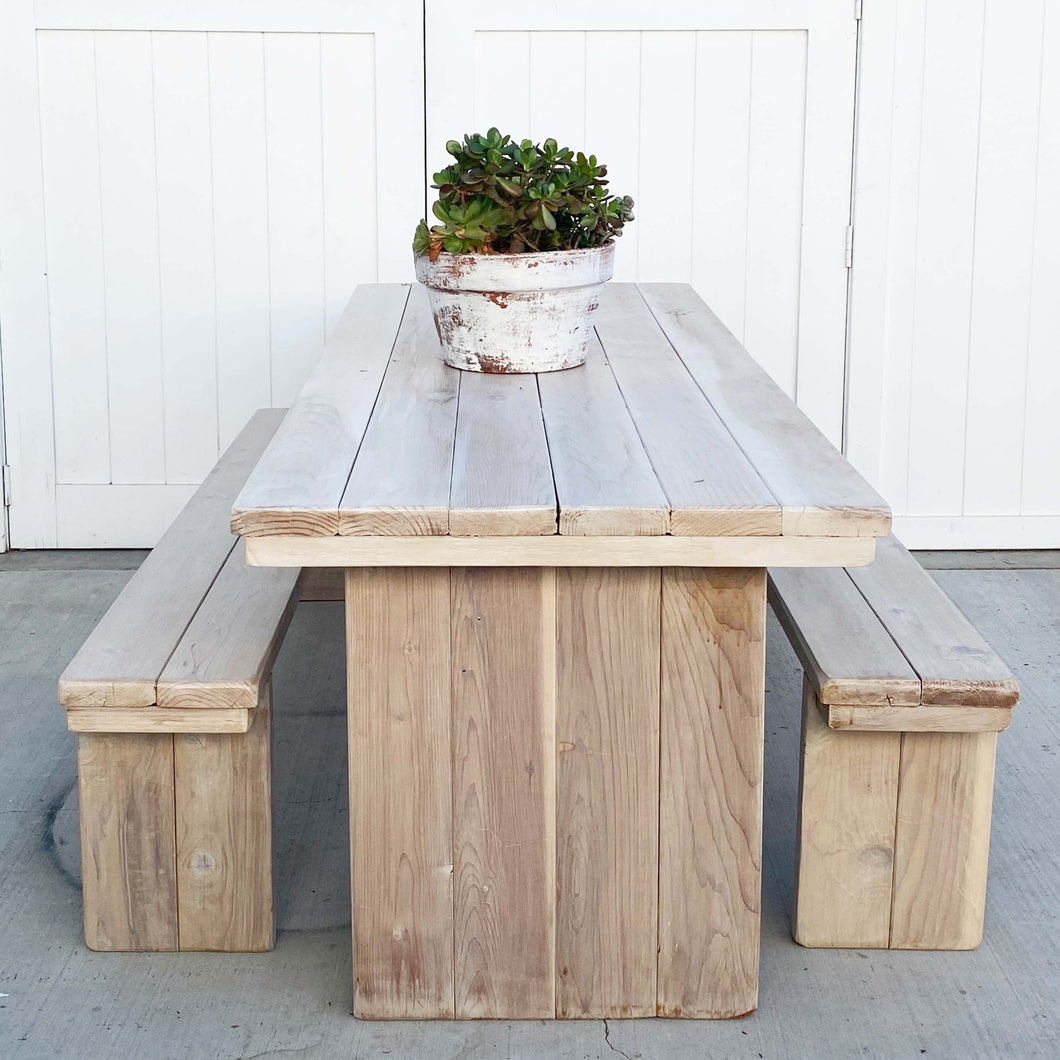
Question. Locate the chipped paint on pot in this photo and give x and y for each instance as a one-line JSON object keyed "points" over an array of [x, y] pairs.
{"points": [[515, 312]]}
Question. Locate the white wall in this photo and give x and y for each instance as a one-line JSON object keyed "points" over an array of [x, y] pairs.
{"points": [[954, 384]]}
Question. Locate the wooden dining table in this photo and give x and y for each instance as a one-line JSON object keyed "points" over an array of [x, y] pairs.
{"points": [[555, 615]]}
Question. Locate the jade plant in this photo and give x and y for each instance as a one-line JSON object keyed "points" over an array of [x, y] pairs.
{"points": [[503, 197]]}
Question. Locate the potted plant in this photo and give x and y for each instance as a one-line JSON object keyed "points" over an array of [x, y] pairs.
{"points": [[525, 240]]}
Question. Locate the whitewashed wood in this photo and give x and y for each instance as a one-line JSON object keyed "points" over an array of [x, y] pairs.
{"points": [[70, 169], [573, 551], [181, 88], [302, 474], [240, 228], [125, 515], [157, 719], [847, 654], [929, 718], [557, 75], [128, 179], [400, 479], [501, 93], [983, 532], [711, 486], [821, 493], [226, 654], [604, 479], [502, 475]]}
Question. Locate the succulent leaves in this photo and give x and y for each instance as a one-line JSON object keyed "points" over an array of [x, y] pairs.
{"points": [[503, 197]]}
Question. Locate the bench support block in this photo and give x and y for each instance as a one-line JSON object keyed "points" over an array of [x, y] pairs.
{"points": [[176, 839], [894, 835]]}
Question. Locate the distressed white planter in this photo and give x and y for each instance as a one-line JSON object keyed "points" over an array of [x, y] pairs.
{"points": [[515, 312]]}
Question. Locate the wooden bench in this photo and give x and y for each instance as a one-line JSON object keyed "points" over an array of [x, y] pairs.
{"points": [[903, 701], [170, 696]]}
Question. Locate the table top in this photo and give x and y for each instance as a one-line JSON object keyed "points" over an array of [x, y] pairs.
{"points": [[670, 431]]}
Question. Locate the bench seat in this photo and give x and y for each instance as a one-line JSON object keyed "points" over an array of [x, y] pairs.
{"points": [[171, 696], [903, 700]]}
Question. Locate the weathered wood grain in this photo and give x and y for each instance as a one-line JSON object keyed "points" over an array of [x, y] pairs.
{"points": [[504, 812], [820, 492], [604, 479], [710, 803], [228, 650], [157, 719], [128, 842], [607, 792], [502, 476], [712, 488], [400, 792], [845, 856], [296, 487], [400, 478], [223, 789], [930, 717], [322, 584]]}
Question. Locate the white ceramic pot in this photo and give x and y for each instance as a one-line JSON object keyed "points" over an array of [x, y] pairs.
{"points": [[515, 312]]}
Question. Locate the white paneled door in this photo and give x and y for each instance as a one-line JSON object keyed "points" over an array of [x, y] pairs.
{"points": [[729, 121], [190, 194]]}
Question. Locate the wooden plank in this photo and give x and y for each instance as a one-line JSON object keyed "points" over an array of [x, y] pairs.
{"points": [[712, 489], [120, 661], [321, 584], [607, 792], [157, 719], [223, 790], [503, 798], [502, 475], [928, 718], [604, 479], [400, 480], [955, 664], [942, 840], [559, 551], [847, 653], [128, 842], [820, 492], [845, 856], [227, 652], [710, 801], [401, 843], [297, 484]]}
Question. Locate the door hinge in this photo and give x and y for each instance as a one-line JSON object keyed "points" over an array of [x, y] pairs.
{"points": [[848, 247], [857, 10], [5, 474]]}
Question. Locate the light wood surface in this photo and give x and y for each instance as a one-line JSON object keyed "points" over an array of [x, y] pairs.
{"points": [[942, 840], [820, 492], [845, 859], [604, 479], [607, 740], [838, 639], [930, 717], [228, 649], [710, 803], [502, 476], [296, 487], [559, 551], [223, 789], [955, 664], [400, 479], [400, 792], [128, 851], [504, 808], [157, 719], [712, 488], [120, 662]]}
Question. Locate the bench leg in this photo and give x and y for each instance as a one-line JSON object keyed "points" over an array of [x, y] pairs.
{"points": [[844, 862], [942, 841], [176, 839]]}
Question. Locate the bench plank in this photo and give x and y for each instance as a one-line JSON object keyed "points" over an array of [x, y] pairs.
{"points": [[502, 476], [231, 643], [120, 662], [604, 479], [820, 492], [955, 664], [156, 719], [711, 486], [296, 487], [839, 640], [927, 718]]}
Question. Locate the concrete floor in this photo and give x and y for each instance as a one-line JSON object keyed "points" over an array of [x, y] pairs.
{"points": [[57, 999]]}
